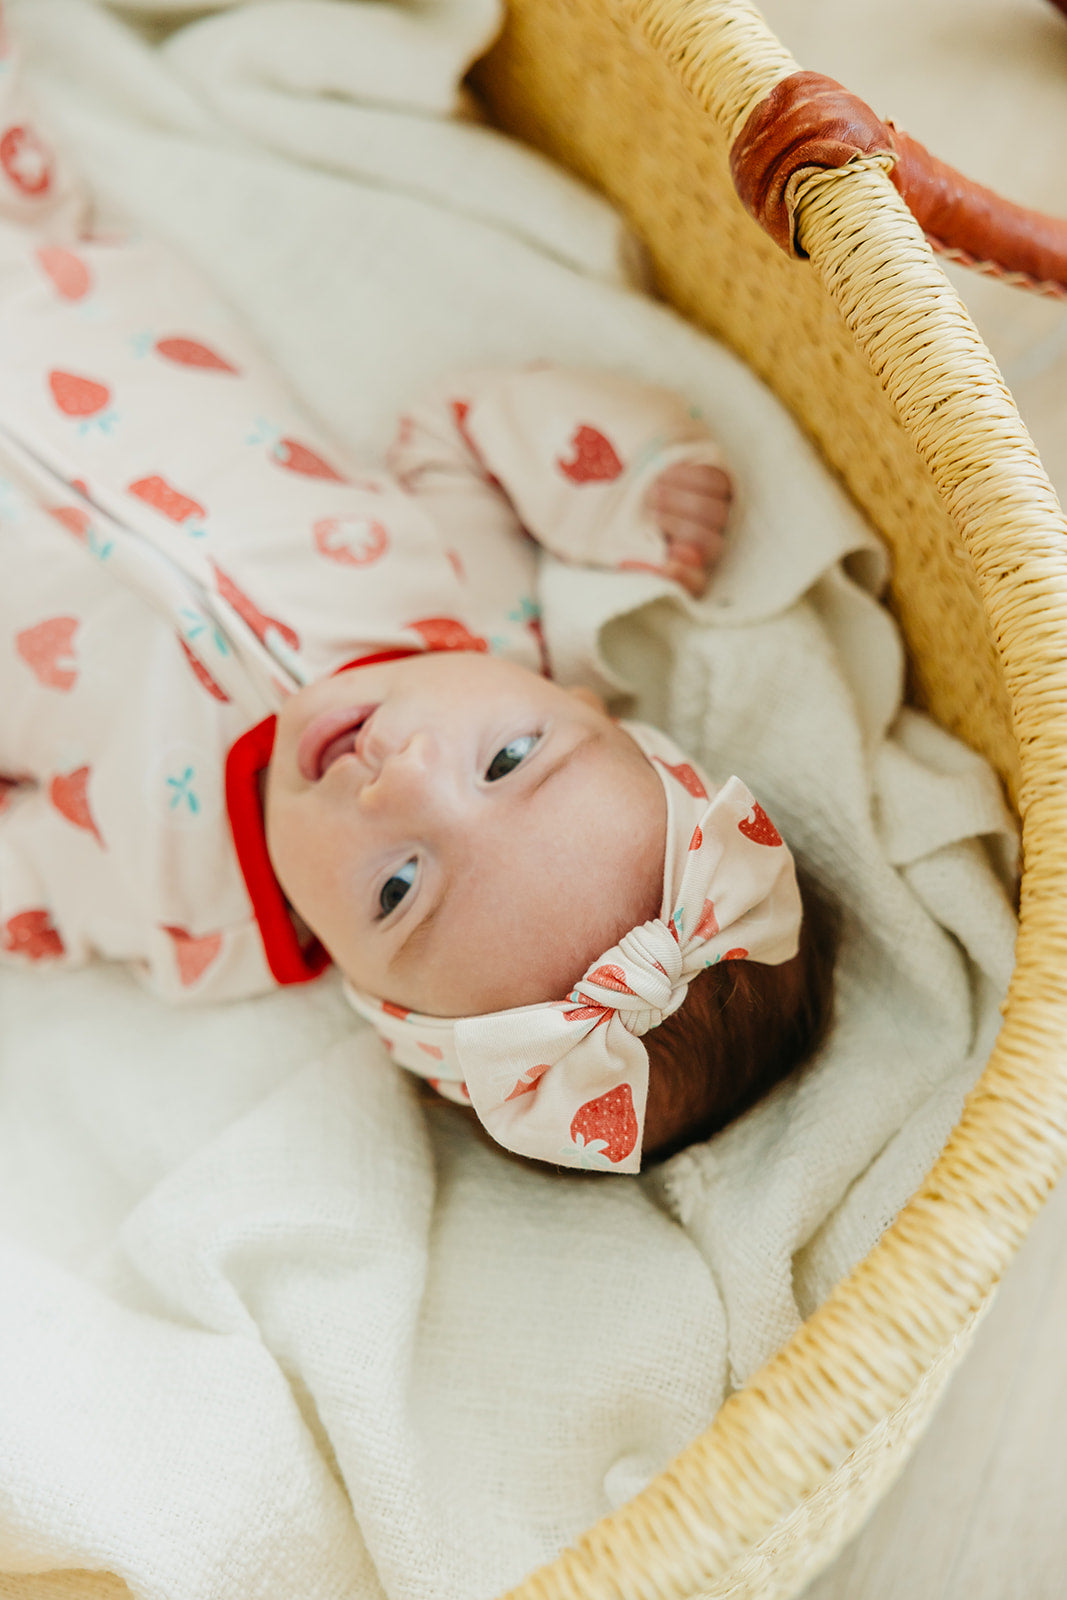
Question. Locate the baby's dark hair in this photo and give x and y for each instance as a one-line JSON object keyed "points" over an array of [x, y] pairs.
{"points": [[742, 1028]]}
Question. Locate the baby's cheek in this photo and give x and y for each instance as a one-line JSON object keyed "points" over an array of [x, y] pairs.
{"points": [[296, 855]]}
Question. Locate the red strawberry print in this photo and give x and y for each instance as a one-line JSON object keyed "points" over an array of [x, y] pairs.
{"points": [[76, 396], [456, 564], [249, 612], [446, 633], [67, 271], [433, 1051], [610, 1117], [193, 953], [686, 777], [350, 541], [73, 518], [203, 675], [707, 923], [740, 954], [7, 789], [27, 162], [298, 458], [590, 1009], [31, 934], [189, 353], [593, 457], [697, 840], [69, 793], [164, 498], [529, 1080], [48, 650], [610, 977], [460, 410], [759, 827], [392, 1010], [460, 1088]]}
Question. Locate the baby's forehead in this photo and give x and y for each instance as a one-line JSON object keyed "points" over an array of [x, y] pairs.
{"points": [[537, 906]]}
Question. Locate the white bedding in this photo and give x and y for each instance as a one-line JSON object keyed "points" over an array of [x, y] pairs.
{"points": [[272, 1323]]}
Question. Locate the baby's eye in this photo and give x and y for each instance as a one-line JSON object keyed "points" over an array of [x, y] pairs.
{"points": [[508, 759], [396, 887]]}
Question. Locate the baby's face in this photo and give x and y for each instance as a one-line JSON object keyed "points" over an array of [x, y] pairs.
{"points": [[461, 834]]}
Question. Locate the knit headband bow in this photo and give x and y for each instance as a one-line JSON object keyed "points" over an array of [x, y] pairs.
{"points": [[566, 1081]]}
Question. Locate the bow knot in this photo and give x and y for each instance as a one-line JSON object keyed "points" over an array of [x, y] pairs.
{"points": [[640, 978]]}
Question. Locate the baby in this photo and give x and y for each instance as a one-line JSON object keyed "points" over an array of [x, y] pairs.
{"points": [[262, 711]]}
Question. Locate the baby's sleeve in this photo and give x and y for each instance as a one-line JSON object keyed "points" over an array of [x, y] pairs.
{"points": [[64, 903], [39, 184], [42, 890], [573, 452]]}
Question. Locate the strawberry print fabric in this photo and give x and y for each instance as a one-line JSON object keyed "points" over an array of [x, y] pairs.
{"points": [[183, 548], [566, 1081]]}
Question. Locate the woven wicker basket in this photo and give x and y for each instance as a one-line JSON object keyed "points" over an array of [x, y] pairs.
{"points": [[869, 346]]}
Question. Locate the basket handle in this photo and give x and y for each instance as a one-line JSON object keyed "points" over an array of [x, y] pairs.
{"points": [[809, 121]]}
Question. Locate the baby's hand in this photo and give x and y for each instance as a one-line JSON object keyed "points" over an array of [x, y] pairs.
{"points": [[690, 504]]}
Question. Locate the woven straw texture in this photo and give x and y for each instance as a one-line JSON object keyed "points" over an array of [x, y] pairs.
{"points": [[869, 346]]}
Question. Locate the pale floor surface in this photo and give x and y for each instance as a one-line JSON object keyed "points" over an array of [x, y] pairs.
{"points": [[980, 1511]]}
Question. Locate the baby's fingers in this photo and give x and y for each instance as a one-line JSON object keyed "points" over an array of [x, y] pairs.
{"points": [[687, 564], [691, 564], [689, 485], [700, 475], [706, 533], [692, 502]]}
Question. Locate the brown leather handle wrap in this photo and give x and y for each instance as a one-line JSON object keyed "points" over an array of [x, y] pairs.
{"points": [[963, 216], [806, 122], [809, 122]]}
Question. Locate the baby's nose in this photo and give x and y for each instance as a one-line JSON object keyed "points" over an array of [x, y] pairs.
{"points": [[403, 769]]}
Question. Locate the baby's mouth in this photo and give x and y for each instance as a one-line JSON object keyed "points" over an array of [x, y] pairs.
{"points": [[329, 737]]}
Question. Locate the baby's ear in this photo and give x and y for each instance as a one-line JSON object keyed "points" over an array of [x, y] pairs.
{"points": [[588, 697]]}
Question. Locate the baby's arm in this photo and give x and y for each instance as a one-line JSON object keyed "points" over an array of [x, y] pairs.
{"points": [[39, 185], [41, 886], [65, 901], [601, 470]]}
